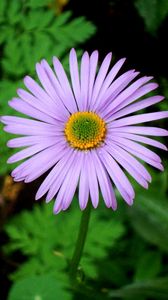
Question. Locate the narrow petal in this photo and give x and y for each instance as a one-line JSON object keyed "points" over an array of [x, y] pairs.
{"points": [[49, 130], [59, 95], [141, 139], [92, 74], [74, 71], [27, 141], [84, 76], [48, 162], [135, 107], [143, 130], [29, 167], [75, 172], [46, 83], [23, 121], [83, 186], [125, 79], [68, 186], [104, 182], [64, 83], [131, 160], [117, 175], [108, 80], [139, 119], [127, 92], [127, 166], [114, 90], [62, 166], [92, 179], [19, 121], [148, 160], [59, 179], [100, 77], [38, 92], [27, 109], [40, 104], [145, 89], [48, 86], [30, 151], [137, 147]]}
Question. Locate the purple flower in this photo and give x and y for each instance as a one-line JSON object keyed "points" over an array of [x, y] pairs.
{"points": [[83, 133]]}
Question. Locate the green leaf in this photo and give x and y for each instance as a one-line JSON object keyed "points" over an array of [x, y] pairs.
{"points": [[13, 11], [8, 90], [163, 82], [148, 266], [51, 263], [2, 10], [151, 289], [39, 288], [63, 19], [38, 33], [149, 216], [37, 3], [65, 33], [34, 19], [153, 12], [41, 235], [34, 231], [31, 31]]}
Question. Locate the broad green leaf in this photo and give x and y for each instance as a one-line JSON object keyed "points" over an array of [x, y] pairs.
{"points": [[13, 11], [152, 289], [51, 263], [163, 105], [39, 288], [40, 234], [148, 266], [149, 216], [34, 20], [37, 3], [31, 31], [2, 10], [63, 19], [153, 12]]}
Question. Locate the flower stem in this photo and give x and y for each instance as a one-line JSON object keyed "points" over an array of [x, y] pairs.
{"points": [[80, 242]]}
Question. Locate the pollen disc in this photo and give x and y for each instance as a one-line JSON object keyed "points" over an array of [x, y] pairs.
{"points": [[85, 130]]}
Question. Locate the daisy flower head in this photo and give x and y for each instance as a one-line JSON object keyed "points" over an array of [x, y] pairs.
{"points": [[83, 132]]}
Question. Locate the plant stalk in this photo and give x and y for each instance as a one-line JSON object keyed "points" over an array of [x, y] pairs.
{"points": [[80, 242]]}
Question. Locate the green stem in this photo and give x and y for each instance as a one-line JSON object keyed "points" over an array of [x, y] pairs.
{"points": [[80, 241]]}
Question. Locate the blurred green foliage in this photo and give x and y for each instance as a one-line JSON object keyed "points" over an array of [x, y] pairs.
{"points": [[125, 256], [153, 13], [41, 236], [124, 250], [39, 288], [163, 82], [150, 289], [31, 31]]}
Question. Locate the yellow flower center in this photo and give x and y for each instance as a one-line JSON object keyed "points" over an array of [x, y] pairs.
{"points": [[85, 130]]}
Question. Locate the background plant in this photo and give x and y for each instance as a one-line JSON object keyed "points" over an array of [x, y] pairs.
{"points": [[31, 31], [125, 244], [126, 253]]}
